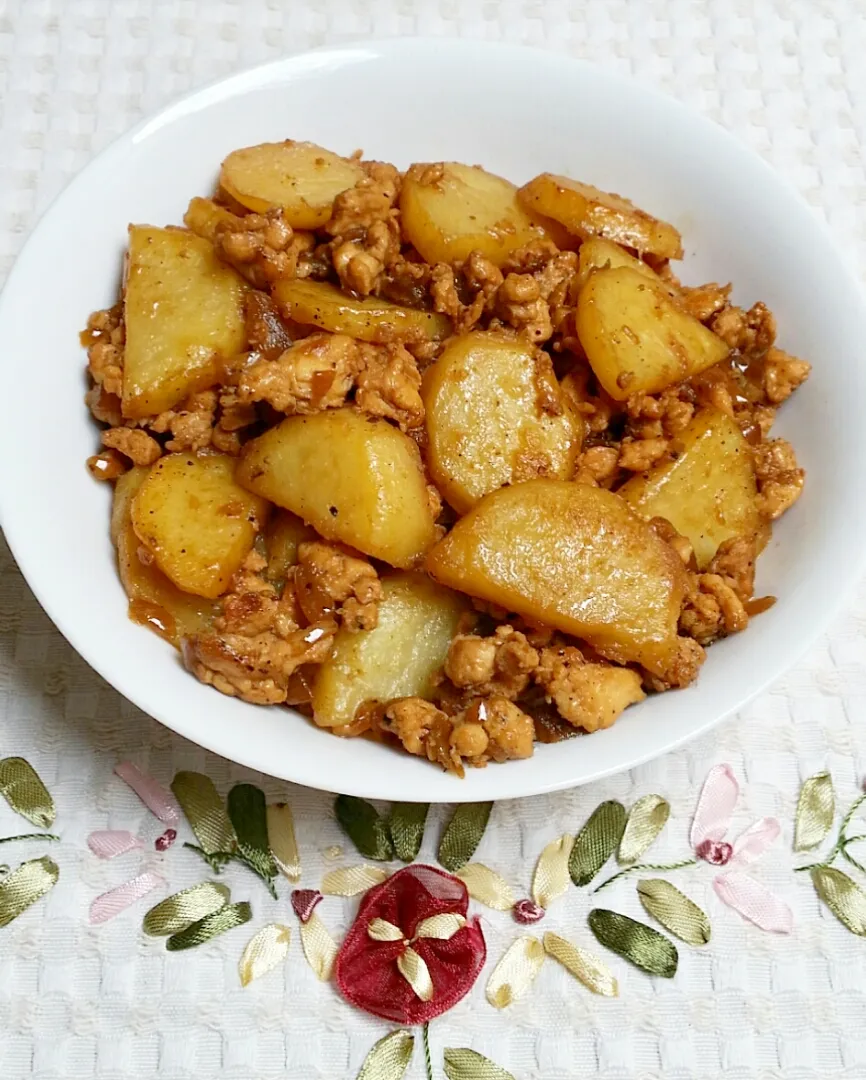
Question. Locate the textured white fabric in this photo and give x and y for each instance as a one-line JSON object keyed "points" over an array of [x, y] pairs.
{"points": [[787, 76]]}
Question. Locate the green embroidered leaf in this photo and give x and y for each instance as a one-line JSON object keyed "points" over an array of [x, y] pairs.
{"points": [[176, 912], [683, 918], [364, 827], [815, 809], [388, 1058], [25, 886], [206, 814], [648, 817], [462, 1064], [463, 834], [596, 842], [227, 918], [248, 813], [406, 825], [842, 896], [644, 947], [21, 787]]}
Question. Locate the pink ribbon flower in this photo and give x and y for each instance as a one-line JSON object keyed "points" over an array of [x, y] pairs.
{"points": [[734, 887]]}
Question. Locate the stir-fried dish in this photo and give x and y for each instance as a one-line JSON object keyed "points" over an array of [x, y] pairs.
{"points": [[430, 458]]}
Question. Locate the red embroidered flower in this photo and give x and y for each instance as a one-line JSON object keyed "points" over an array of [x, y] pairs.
{"points": [[411, 953]]}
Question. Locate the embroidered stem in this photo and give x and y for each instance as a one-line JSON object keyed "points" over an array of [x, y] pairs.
{"points": [[428, 1063], [646, 866], [842, 841], [29, 836]]}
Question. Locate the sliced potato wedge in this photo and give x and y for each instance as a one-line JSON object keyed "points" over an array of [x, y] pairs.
{"points": [[600, 254], [198, 523], [282, 536], [449, 210], [417, 620], [318, 303], [708, 493], [635, 336], [184, 317], [153, 600], [495, 414], [587, 211], [354, 478], [300, 177], [573, 557]]}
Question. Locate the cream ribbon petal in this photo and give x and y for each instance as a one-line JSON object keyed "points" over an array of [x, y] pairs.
{"points": [[382, 930], [416, 973], [486, 886], [515, 972], [281, 840], [352, 880], [551, 878], [268, 948], [320, 949], [582, 965], [443, 927]]}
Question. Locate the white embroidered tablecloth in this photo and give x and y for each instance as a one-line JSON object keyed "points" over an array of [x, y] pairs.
{"points": [[788, 78]]}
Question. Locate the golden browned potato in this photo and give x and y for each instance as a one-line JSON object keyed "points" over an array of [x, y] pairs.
{"points": [[282, 536], [417, 620], [635, 336], [184, 317], [318, 303], [198, 523], [496, 414], [449, 210], [300, 177], [599, 254], [153, 599], [708, 493], [573, 557], [354, 478], [586, 211], [205, 217]]}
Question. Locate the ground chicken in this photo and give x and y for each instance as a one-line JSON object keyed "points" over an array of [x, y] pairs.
{"points": [[372, 199], [681, 670], [638, 455], [668, 410], [780, 480], [191, 424], [360, 262], [108, 465], [389, 385], [711, 609], [509, 731], [735, 563], [137, 445], [704, 301], [315, 373], [588, 695], [681, 544], [750, 332], [597, 466], [499, 665], [423, 729], [531, 257], [104, 406], [328, 582], [263, 247], [782, 375], [406, 282], [519, 303]]}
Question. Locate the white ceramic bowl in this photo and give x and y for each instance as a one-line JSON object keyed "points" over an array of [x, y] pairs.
{"points": [[518, 112]]}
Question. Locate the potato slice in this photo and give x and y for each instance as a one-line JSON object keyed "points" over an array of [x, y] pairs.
{"points": [[184, 318], [586, 211], [417, 620], [354, 478], [600, 254], [573, 557], [449, 210], [708, 493], [282, 536], [300, 177], [198, 523], [635, 336], [205, 218], [318, 303], [153, 599], [495, 415]]}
